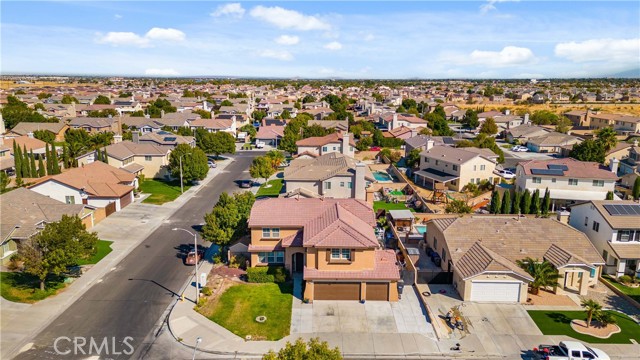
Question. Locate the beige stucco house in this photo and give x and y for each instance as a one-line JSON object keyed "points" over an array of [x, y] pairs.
{"points": [[341, 143], [142, 158]]}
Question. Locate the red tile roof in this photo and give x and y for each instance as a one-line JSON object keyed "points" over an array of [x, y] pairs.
{"points": [[385, 268], [324, 140]]}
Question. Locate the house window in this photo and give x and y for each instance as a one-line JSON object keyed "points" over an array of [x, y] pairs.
{"points": [[435, 243], [553, 180], [537, 180], [334, 148], [70, 199], [270, 233], [624, 235], [454, 167], [340, 254], [6, 249], [474, 167], [472, 181], [573, 182], [327, 185], [426, 160], [605, 256], [350, 185], [437, 162], [444, 255], [324, 149], [586, 220], [274, 257], [341, 183], [147, 158], [598, 183], [482, 167], [595, 226], [351, 148]]}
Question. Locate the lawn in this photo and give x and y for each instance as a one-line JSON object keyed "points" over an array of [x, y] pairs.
{"points": [[558, 323], [25, 288], [104, 248], [161, 191], [273, 191], [633, 293], [239, 306], [389, 206]]}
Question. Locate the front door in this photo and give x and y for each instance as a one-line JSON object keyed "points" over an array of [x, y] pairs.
{"points": [[298, 262]]}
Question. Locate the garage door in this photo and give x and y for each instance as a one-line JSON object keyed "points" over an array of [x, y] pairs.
{"points": [[495, 291], [378, 291], [125, 200], [336, 291]]}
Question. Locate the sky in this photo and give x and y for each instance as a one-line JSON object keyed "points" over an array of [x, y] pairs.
{"points": [[322, 39]]}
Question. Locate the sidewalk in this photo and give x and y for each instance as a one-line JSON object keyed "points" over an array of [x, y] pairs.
{"points": [[126, 228]]}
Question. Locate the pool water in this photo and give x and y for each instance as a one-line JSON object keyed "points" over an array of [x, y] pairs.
{"points": [[421, 229], [381, 176]]}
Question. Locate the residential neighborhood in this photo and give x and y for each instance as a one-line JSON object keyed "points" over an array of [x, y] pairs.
{"points": [[293, 181]]}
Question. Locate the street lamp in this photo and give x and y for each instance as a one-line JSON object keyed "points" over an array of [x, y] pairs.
{"points": [[181, 186], [198, 341], [195, 244]]}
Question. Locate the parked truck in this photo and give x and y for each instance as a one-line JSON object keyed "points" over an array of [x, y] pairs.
{"points": [[568, 350]]}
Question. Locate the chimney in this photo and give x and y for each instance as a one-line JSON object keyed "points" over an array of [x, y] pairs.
{"points": [[394, 122], [117, 138], [360, 184], [430, 144], [613, 165], [526, 118], [30, 135], [507, 112], [135, 137], [345, 144]]}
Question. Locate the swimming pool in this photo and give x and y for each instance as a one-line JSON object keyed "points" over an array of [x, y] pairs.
{"points": [[421, 229], [382, 176]]}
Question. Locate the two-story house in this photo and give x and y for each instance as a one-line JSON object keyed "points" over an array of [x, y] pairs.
{"points": [[394, 121], [341, 143], [631, 164], [140, 158], [95, 125], [455, 167], [568, 180], [614, 229], [331, 242]]}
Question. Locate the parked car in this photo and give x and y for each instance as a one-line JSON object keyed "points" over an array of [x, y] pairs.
{"points": [[194, 256], [246, 183], [519, 148], [212, 164], [506, 174], [568, 350], [260, 144], [375, 148]]}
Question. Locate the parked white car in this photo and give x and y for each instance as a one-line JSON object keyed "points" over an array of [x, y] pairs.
{"points": [[506, 174], [211, 164], [519, 148]]}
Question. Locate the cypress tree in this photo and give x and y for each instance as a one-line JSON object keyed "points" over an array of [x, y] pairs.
{"points": [[65, 157], [17, 159], [636, 189], [48, 154], [98, 156], [506, 203], [535, 202], [525, 203], [41, 170], [609, 195], [105, 156], [515, 208], [495, 203], [32, 165], [55, 164], [26, 172], [546, 202]]}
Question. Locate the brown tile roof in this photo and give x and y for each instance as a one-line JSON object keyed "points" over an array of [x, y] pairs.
{"points": [[126, 149], [270, 132], [31, 143], [324, 140], [576, 169], [450, 154], [385, 268], [626, 250], [560, 257], [323, 167], [212, 123], [97, 179], [92, 122], [479, 259], [23, 128], [339, 228], [616, 222]]}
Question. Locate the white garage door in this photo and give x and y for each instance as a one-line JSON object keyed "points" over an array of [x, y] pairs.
{"points": [[496, 291]]}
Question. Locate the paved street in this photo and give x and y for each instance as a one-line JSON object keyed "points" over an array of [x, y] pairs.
{"points": [[131, 298]]}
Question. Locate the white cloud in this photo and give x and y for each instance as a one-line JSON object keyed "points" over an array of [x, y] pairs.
{"points": [[167, 34], [161, 72], [288, 19], [491, 5], [369, 37], [132, 39], [508, 56], [274, 54], [287, 40], [614, 50], [123, 38], [232, 9], [117, 16], [334, 45]]}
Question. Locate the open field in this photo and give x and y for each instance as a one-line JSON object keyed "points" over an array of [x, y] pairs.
{"points": [[626, 108]]}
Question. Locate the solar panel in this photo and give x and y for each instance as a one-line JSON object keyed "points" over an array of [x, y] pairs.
{"points": [[169, 139], [558, 166], [623, 210], [556, 172]]}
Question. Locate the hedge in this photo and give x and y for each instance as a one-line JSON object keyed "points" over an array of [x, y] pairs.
{"points": [[267, 274]]}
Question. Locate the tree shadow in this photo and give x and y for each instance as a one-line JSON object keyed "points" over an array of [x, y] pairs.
{"points": [[559, 318], [158, 284]]}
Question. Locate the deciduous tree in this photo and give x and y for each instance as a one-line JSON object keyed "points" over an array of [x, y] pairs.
{"points": [[314, 350], [194, 163], [261, 168]]}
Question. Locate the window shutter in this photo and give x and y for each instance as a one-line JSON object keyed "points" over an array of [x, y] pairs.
{"points": [[328, 254], [353, 255]]}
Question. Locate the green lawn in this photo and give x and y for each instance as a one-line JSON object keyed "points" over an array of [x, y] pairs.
{"points": [[273, 191], [389, 206], [559, 323], [104, 248], [633, 293], [239, 306], [161, 191], [25, 288]]}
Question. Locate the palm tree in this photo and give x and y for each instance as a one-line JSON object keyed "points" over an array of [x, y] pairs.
{"points": [[544, 273], [607, 136], [276, 158], [591, 307]]}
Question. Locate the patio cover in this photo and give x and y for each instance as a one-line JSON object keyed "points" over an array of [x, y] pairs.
{"points": [[436, 175]]}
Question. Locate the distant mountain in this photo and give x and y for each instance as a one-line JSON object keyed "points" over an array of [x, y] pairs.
{"points": [[629, 74]]}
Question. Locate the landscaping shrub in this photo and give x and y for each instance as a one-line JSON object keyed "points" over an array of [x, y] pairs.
{"points": [[206, 291], [626, 279], [267, 274]]}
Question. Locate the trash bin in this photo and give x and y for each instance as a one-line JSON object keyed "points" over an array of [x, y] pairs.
{"points": [[400, 286]]}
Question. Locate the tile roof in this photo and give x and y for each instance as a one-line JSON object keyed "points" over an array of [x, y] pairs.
{"points": [[450, 154], [339, 228], [560, 257], [23, 128], [479, 259], [323, 167], [616, 222], [324, 140], [270, 132], [92, 122], [126, 149], [576, 169], [212, 123], [626, 250], [385, 268], [97, 179], [31, 143]]}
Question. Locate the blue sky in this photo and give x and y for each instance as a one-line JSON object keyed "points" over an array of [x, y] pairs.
{"points": [[330, 39]]}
